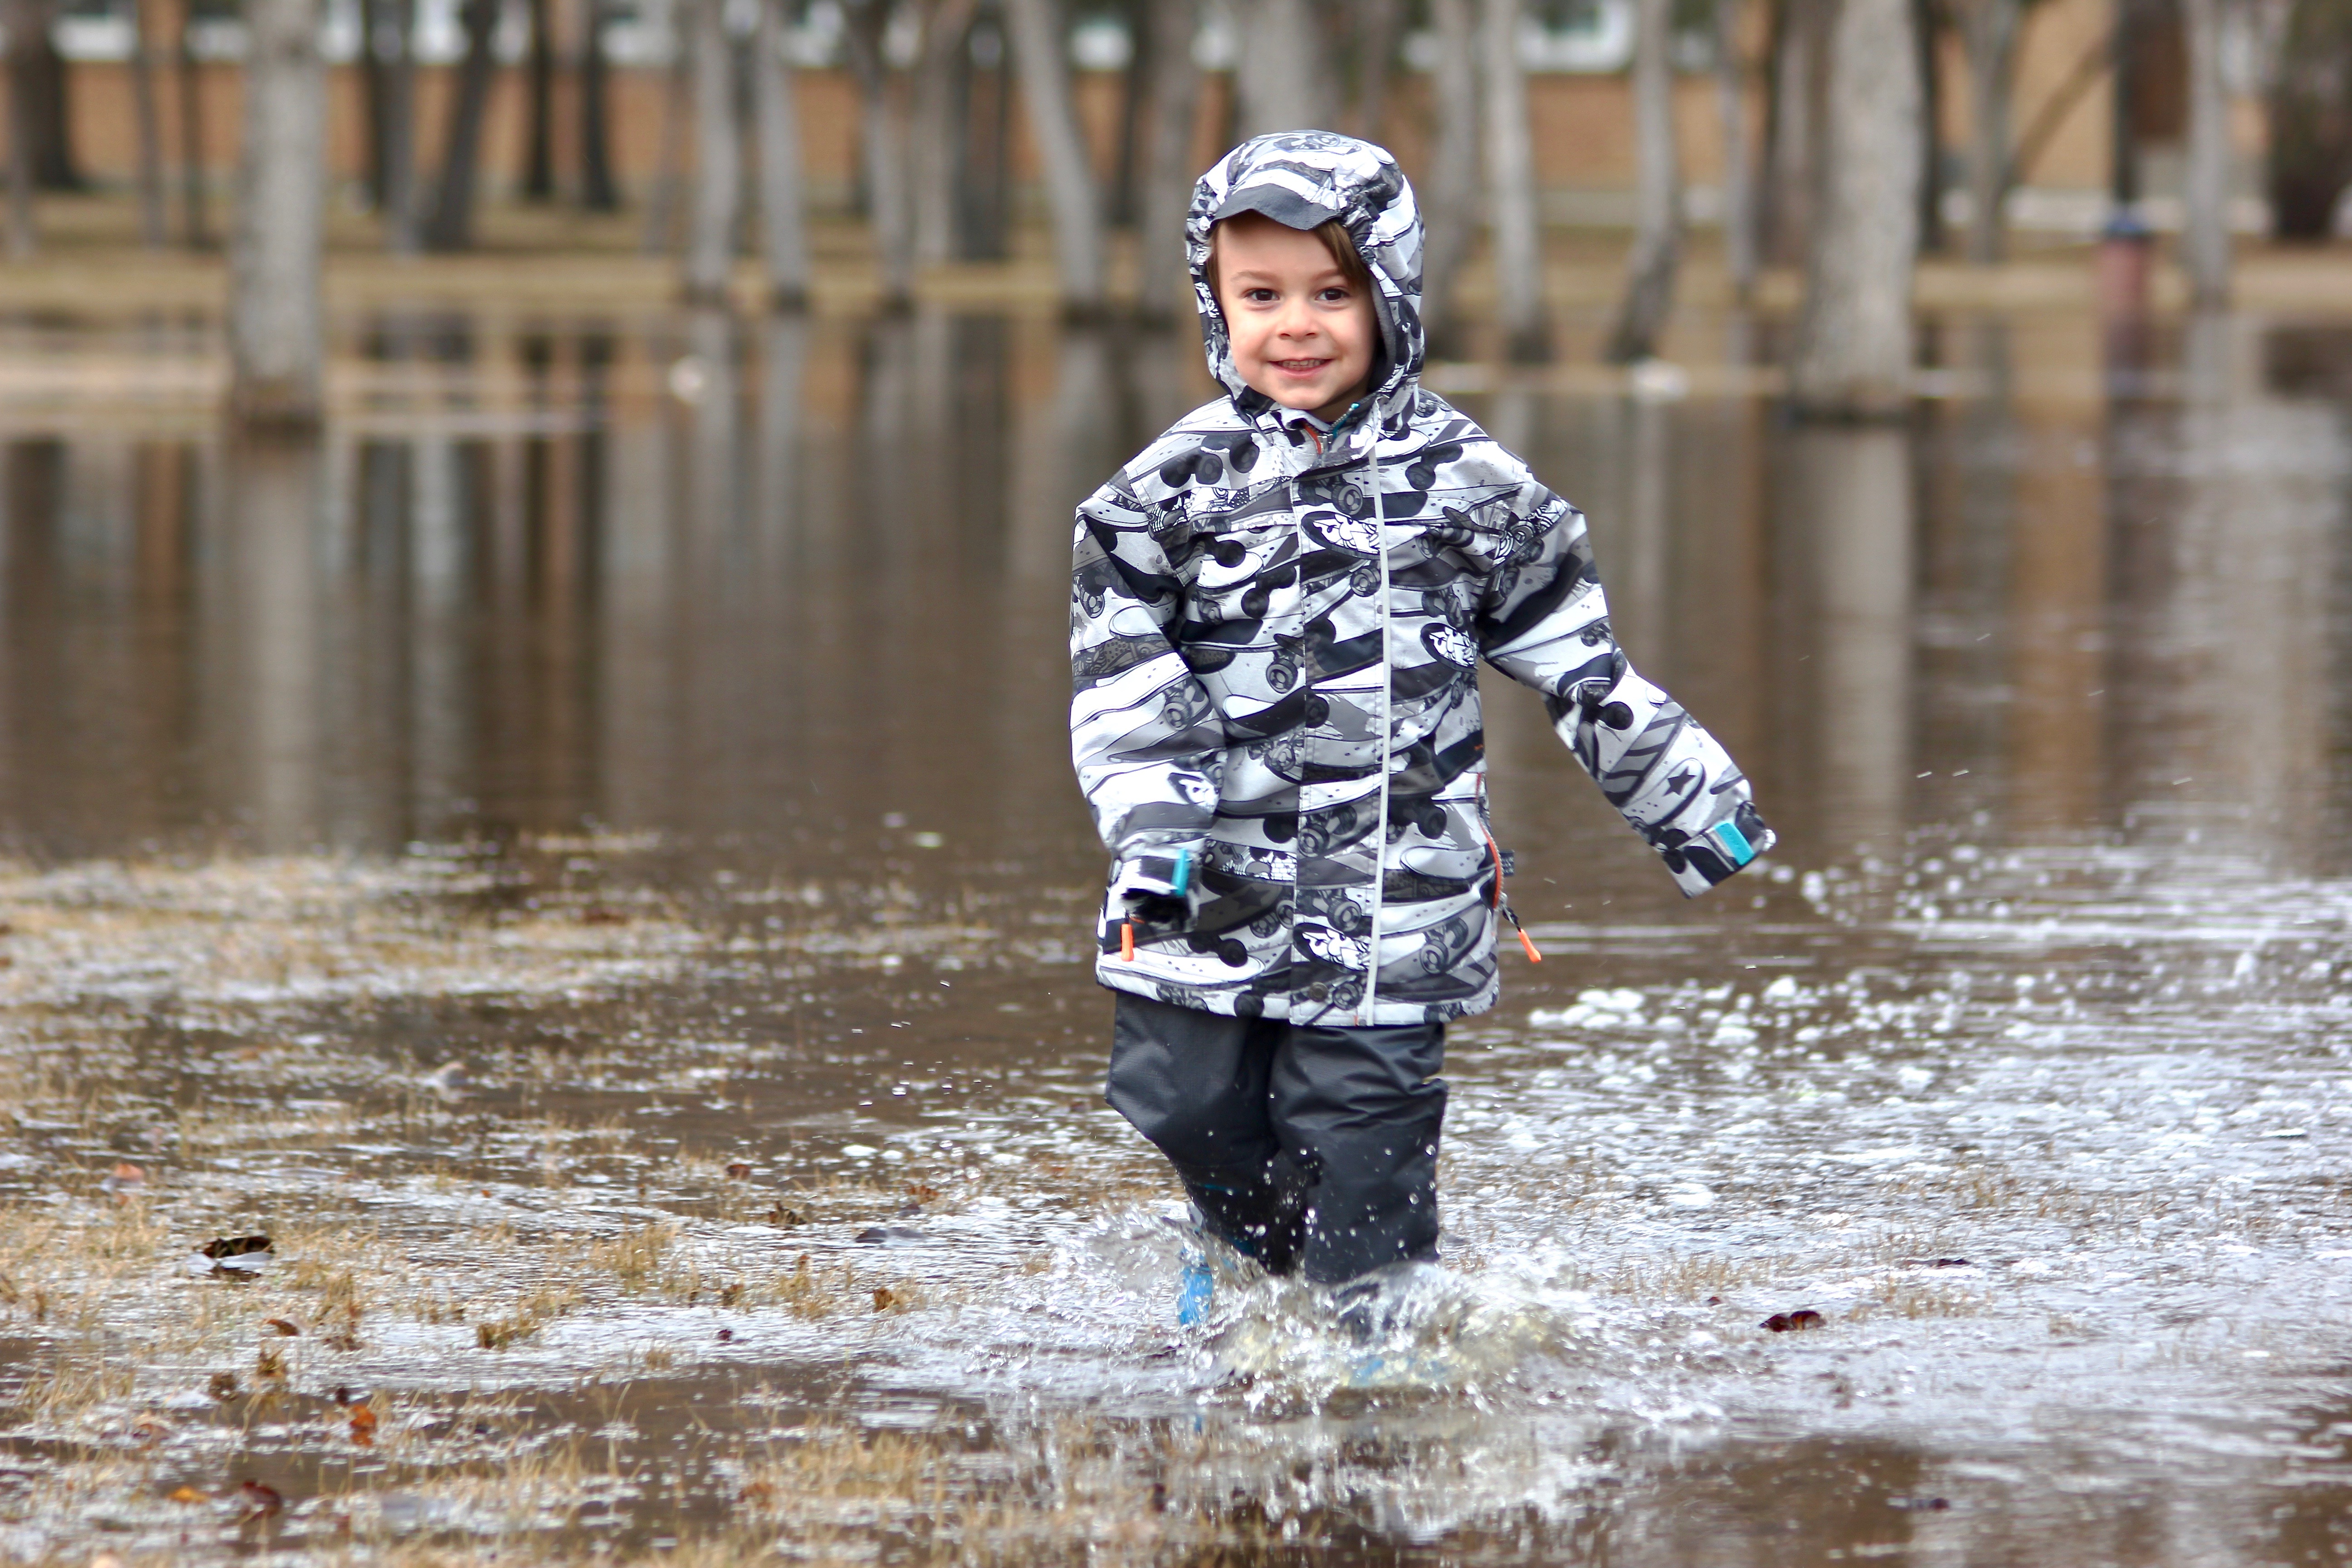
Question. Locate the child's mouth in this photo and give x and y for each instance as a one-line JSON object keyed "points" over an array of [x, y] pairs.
{"points": [[1300, 367]]}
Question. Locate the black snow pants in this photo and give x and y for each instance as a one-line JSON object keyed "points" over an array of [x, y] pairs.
{"points": [[1313, 1149]]}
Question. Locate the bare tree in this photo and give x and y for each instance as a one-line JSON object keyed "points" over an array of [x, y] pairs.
{"points": [[39, 72], [390, 26], [784, 200], [149, 117], [276, 333], [1517, 245], [598, 190], [1040, 57], [670, 158], [1657, 191], [719, 153], [1799, 43], [2205, 184], [1989, 32], [539, 106], [882, 146], [1450, 195], [1853, 356], [1283, 77], [1376, 26], [191, 131], [23, 237], [451, 227], [946, 33], [1739, 235], [1168, 175]]}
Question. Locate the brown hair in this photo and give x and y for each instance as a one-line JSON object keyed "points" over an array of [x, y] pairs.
{"points": [[1336, 240]]}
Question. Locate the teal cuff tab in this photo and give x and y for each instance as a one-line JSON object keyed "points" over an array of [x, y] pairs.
{"points": [[1183, 880], [1733, 840]]}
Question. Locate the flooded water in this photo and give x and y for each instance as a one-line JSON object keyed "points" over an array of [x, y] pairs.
{"points": [[584, 859]]}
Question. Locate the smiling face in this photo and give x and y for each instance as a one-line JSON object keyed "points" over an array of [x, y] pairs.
{"points": [[1301, 327]]}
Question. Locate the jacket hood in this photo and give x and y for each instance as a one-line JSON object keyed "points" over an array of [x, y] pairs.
{"points": [[1303, 178]]}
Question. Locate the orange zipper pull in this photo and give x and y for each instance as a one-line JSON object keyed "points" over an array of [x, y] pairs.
{"points": [[1127, 940], [1526, 942]]}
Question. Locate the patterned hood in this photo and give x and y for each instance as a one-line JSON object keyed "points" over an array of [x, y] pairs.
{"points": [[1305, 178]]}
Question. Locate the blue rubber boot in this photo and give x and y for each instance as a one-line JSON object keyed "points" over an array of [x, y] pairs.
{"points": [[1193, 1291]]}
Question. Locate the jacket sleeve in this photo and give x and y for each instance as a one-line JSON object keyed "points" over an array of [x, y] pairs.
{"points": [[1144, 735], [1545, 623]]}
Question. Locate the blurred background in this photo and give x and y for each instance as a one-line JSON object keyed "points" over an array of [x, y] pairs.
{"points": [[432, 418]]}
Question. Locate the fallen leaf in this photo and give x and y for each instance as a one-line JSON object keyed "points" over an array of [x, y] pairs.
{"points": [[150, 1428], [260, 1501], [883, 1300], [1714, 1300], [363, 1420], [342, 1394], [758, 1491], [598, 915], [921, 1192], [223, 1386], [725, 1335], [234, 1246], [127, 1174], [739, 1172], [282, 1325], [1803, 1318], [185, 1494]]}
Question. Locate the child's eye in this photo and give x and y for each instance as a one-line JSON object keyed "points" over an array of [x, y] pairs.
{"points": [[1334, 295], [1258, 296]]}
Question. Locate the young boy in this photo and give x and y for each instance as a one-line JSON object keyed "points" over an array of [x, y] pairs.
{"points": [[1276, 615]]}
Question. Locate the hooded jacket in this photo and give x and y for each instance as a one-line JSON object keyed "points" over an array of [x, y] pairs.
{"points": [[1273, 650]]}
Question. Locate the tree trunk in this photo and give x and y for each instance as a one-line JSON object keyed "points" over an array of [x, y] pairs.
{"points": [[670, 158], [717, 152], [452, 224], [946, 35], [1739, 235], [1852, 355], [882, 146], [1511, 185], [539, 147], [2205, 183], [598, 191], [396, 197], [40, 73], [1793, 157], [1043, 65], [191, 134], [276, 335], [783, 203], [1283, 79], [149, 117], [1657, 191], [1169, 176], [1450, 195], [23, 15], [1127, 168], [1989, 30], [1929, 189], [1376, 36], [373, 26]]}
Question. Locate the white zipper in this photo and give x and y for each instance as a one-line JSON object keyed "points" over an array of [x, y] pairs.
{"points": [[1388, 689]]}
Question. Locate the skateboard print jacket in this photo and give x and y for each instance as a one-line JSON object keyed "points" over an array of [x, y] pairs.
{"points": [[1273, 646]]}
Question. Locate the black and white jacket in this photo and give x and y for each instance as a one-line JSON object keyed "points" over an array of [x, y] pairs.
{"points": [[1273, 646]]}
